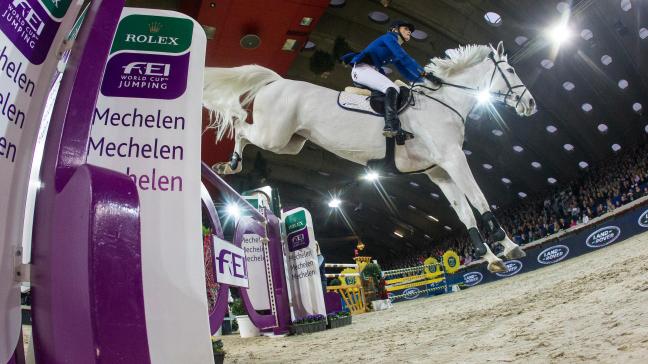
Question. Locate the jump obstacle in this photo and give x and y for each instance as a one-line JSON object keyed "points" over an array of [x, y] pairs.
{"points": [[350, 288]]}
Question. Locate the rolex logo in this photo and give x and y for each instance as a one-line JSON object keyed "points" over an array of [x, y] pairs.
{"points": [[155, 27]]}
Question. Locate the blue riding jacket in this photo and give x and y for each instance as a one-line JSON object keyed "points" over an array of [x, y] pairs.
{"points": [[386, 50]]}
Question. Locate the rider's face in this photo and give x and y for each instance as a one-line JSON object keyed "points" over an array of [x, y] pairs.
{"points": [[406, 33]]}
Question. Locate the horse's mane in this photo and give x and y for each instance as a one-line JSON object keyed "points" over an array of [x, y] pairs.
{"points": [[458, 59]]}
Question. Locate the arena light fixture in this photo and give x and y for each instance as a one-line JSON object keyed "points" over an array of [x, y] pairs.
{"points": [[433, 218], [334, 203], [559, 33], [371, 176], [233, 210], [398, 233], [623, 84]]}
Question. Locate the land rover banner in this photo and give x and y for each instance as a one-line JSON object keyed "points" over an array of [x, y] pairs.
{"points": [[147, 124], [303, 268], [31, 34]]}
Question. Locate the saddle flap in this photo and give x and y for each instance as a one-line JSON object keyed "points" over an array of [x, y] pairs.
{"points": [[365, 101]]}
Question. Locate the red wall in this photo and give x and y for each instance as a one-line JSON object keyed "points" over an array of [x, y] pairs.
{"points": [[273, 21]]}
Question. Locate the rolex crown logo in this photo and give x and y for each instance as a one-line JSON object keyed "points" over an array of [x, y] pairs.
{"points": [[155, 27]]}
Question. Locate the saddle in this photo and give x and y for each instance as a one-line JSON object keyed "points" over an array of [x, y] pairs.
{"points": [[364, 100]]}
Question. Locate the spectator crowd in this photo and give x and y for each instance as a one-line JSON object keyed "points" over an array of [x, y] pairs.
{"points": [[616, 182]]}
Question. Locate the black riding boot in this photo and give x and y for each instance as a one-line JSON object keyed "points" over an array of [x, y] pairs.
{"points": [[391, 113], [392, 124]]}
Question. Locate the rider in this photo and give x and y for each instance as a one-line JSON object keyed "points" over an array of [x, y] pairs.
{"points": [[367, 71]]}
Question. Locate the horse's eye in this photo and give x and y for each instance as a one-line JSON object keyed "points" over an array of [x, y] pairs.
{"points": [[511, 70]]}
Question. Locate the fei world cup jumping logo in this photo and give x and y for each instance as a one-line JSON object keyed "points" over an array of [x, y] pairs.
{"points": [[133, 71], [32, 27]]}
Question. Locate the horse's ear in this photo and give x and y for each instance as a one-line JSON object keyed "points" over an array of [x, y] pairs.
{"points": [[500, 49]]}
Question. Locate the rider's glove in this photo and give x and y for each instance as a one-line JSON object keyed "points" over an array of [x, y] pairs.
{"points": [[432, 78]]}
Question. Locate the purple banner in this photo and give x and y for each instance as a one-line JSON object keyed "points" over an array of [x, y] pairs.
{"points": [[29, 27], [149, 76]]}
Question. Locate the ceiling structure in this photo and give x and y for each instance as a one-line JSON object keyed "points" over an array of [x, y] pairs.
{"points": [[591, 94]]}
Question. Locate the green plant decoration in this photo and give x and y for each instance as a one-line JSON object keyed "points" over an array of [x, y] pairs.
{"points": [[340, 48], [238, 308], [321, 62]]}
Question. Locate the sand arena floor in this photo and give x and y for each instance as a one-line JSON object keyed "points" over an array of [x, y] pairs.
{"points": [[590, 309]]}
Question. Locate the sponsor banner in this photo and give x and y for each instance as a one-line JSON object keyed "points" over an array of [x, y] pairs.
{"points": [[231, 267], [31, 34], [423, 290], [147, 124], [553, 254], [643, 219], [472, 278], [603, 236], [255, 248], [303, 268], [596, 236], [513, 267], [298, 236], [253, 245]]}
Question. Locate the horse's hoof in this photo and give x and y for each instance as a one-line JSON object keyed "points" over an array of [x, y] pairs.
{"points": [[497, 267], [515, 253]]}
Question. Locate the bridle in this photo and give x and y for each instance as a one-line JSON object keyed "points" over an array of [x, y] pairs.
{"points": [[496, 95], [491, 56]]}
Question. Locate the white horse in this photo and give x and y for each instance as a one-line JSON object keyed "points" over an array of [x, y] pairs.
{"points": [[286, 113]]}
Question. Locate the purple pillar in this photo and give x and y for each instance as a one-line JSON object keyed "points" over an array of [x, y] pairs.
{"points": [[279, 323], [88, 304]]}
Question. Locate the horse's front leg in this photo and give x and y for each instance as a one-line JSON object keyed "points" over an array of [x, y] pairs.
{"points": [[457, 167], [459, 203], [235, 165]]}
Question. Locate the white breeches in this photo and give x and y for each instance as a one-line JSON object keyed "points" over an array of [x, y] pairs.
{"points": [[366, 75]]}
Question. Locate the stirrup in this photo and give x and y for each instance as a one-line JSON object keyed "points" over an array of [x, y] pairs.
{"points": [[402, 136], [389, 132]]}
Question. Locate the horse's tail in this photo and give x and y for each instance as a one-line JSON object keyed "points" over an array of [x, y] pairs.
{"points": [[228, 91]]}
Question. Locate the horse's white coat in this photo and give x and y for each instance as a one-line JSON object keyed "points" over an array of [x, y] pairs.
{"points": [[286, 113]]}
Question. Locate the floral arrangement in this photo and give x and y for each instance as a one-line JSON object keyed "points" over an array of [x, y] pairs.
{"points": [[309, 319], [382, 289], [338, 314], [217, 345]]}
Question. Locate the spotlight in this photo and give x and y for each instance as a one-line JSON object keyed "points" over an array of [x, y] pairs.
{"points": [[559, 33], [371, 176], [233, 210], [484, 97], [334, 203]]}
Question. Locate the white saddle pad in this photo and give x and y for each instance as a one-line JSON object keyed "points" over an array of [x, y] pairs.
{"points": [[352, 101]]}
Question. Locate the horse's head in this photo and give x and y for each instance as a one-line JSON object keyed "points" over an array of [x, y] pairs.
{"points": [[505, 85]]}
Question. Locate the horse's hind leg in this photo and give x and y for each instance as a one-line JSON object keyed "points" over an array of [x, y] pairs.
{"points": [[459, 203], [458, 169]]}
